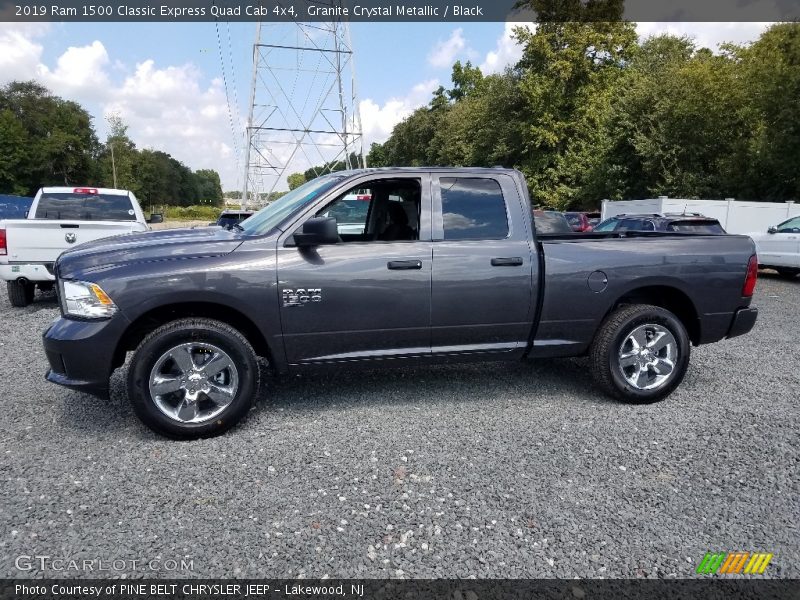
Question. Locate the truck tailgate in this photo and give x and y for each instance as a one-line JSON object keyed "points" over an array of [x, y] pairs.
{"points": [[40, 241]]}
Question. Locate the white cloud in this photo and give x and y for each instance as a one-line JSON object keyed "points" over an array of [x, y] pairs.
{"points": [[445, 52], [169, 109], [79, 73], [507, 51], [20, 54], [706, 35], [378, 121]]}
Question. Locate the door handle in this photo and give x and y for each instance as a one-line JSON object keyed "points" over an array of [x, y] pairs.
{"points": [[404, 265], [514, 261]]}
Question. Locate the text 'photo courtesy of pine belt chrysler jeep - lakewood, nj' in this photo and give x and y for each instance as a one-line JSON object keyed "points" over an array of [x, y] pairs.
{"points": [[432, 265]]}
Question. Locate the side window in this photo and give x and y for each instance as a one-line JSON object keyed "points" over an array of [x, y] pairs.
{"points": [[386, 210], [473, 209], [635, 225], [790, 226]]}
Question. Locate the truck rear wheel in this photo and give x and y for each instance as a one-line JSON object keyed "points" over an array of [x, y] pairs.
{"points": [[20, 293], [640, 354], [193, 378]]}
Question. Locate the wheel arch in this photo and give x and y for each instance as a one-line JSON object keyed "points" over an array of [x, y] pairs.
{"points": [[667, 297], [158, 316]]}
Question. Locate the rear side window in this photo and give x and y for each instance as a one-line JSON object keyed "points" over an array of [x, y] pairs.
{"points": [[635, 225], [85, 207], [473, 209], [712, 227]]}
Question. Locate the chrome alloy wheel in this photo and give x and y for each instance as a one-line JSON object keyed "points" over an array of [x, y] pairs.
{"points": [[647, 356], [194, 382]]}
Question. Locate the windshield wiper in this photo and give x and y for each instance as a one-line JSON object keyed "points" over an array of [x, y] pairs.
{"points": [[239, 227]]}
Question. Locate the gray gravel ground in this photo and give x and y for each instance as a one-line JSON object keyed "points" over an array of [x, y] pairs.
{"points": [[518, 470]]}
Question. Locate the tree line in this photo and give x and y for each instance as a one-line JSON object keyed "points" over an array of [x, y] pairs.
{"points": [[592, 112], [46, 140]]}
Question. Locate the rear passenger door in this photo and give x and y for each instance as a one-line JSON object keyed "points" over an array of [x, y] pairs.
{"points": [[483, 268]]}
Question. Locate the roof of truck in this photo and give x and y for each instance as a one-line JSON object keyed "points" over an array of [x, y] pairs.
{"points": [[484, 170], [72, 189]]}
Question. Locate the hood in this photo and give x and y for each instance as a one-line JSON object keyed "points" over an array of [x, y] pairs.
{"points": [[149, 246]]}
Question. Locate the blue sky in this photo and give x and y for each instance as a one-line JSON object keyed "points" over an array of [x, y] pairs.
{"points": [[165, 80]]}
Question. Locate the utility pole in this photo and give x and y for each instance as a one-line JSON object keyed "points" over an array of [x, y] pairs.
{"points": [[303, 112], [113, 164]]}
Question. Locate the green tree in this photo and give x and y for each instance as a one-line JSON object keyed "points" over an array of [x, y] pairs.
{"points": [[295, 180], [60, 145], [209, 186], [14, 156]]}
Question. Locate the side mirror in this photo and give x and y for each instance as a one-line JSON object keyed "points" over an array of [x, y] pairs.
{"points": [[156, 218], [316, 232], [772, 229]]}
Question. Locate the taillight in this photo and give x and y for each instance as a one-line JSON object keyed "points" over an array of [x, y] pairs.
{"points": [[84, 191], [750, 279], [3, 244]]}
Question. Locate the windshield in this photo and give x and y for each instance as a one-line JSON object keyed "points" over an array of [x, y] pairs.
{"points": [[271, 215], [85, 207]]}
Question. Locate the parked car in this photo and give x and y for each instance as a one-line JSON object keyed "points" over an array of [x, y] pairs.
{"points": [[550, 221], [229, 218], [578, 221], [779, 248], [463, 276], [675, 223], [60, 218], [594, 218]]}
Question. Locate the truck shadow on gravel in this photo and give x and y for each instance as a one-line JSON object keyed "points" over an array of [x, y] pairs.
{"points": [[543, 380]]}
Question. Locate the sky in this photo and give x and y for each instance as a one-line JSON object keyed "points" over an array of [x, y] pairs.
{"points": [[173, 84]]}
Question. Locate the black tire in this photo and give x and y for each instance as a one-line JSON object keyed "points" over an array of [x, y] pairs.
{"points": [[20, 294], [608, 345], [187, 332], [787, 272]]}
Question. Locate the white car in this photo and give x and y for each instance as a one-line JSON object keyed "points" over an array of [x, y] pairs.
{"points": [[61, 218], [779, 248]]}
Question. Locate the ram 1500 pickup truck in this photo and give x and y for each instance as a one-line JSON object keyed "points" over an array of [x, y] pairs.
{"points": [[60, 218], [446, 266]]}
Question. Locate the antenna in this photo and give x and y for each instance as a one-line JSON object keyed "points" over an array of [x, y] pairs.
{"points": [[303, 110]]}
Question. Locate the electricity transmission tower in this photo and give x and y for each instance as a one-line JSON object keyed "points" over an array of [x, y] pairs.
{"points": [[303, 105]]}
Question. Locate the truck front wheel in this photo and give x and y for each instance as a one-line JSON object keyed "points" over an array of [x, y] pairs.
{"points": [[193, 378], [640, 354], [20, 293]]}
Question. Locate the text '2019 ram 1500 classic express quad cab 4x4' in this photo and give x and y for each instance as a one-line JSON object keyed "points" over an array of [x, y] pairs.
{"points": [[446, 266]]}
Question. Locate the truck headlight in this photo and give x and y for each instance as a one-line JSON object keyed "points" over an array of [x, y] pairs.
{"points": [[86, 300]]}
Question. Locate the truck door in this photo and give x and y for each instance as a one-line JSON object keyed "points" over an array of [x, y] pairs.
{"points": [[369, 296], [483, 267]]}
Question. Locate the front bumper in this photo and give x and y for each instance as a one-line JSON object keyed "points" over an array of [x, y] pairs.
{"points": [[743, 321], [81, 353], [31, 272]]}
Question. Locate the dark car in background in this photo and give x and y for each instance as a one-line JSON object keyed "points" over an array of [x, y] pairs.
{"points": [[671, 223], [578, 221], [229, 218]]}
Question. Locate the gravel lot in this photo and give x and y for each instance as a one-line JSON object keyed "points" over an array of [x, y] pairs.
{"points": [[518, 470]]}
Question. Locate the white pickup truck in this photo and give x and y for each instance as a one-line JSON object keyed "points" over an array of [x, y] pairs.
{"points": [[61, 218], [779, 248]]}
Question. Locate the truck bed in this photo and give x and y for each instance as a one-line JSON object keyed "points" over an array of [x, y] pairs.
{"points": [[589, 274]]}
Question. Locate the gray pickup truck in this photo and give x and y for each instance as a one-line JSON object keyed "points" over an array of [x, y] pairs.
{"points": [[442, 265]]}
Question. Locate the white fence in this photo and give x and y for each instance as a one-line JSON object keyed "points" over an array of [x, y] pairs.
{"points": [[734, 215]]}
